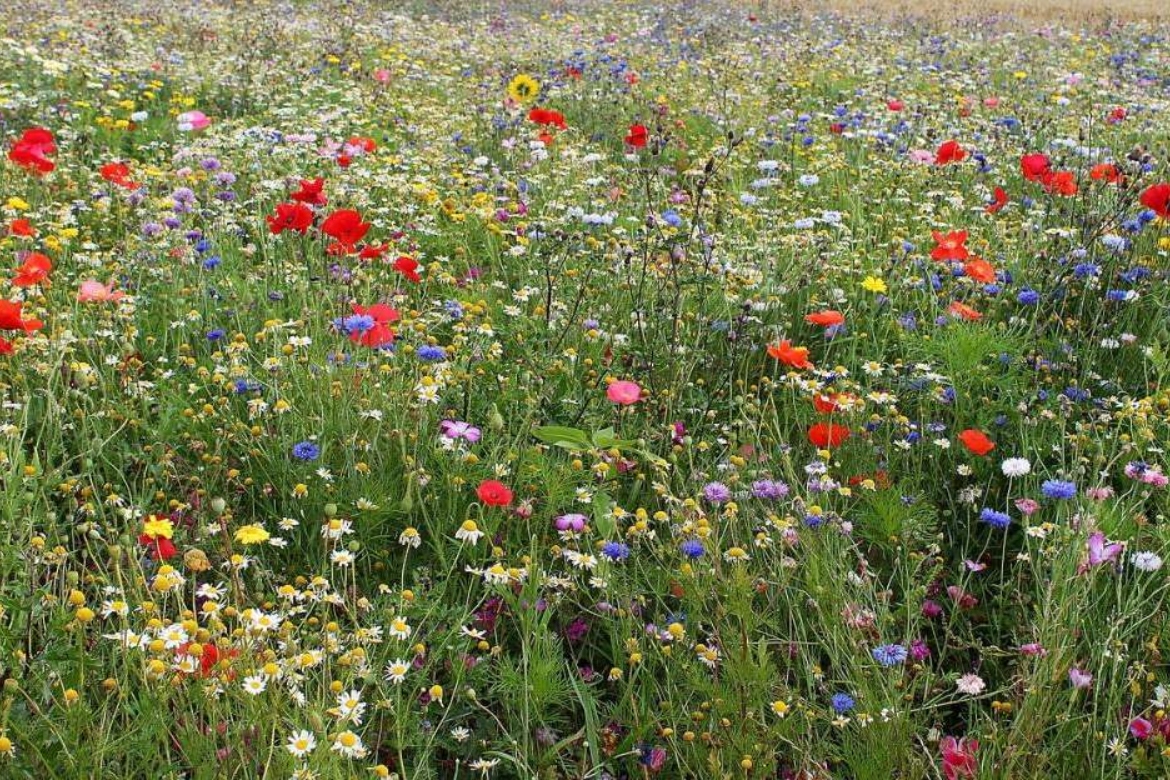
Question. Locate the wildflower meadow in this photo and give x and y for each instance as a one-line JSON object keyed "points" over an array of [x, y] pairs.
{"points": [[587, 390]]}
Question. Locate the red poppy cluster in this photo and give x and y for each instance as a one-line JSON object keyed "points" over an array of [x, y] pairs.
{"points": [[31, 151]]}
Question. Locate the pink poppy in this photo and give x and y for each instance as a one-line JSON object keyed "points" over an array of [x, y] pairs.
{"points": [[92, 291], [624, 392]]}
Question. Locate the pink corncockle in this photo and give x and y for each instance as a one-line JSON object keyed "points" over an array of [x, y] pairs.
{"points": [[1079, 678], [623, 392], [958, 757], [92, 291]]}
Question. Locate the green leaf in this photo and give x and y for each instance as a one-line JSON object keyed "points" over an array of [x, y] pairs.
{"points": [[562, 436], [603, 515]]}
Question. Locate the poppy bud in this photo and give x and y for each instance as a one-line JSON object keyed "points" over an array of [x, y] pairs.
{"points": [[218, 505]]}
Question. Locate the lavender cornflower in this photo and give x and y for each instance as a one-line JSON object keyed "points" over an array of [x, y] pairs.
{"points": [[716, 492], [769, 489]]}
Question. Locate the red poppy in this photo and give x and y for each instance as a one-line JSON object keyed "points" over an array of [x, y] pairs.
{"points": [[826, 319], [637, 136], [311, 192], [119, 173], [408, 267], [547, 116], [1117, 115], [31, 150], [949, 152], [34, 270], [827, 435], [951, 246], [493, 493], [380, 333], [976, 441], [1157, 197], [5, 347], [367, 145], [159, 548], [1001, 199], [290, 216], [345, 226], [546, 138], [895, 105], [1060, 183], [10, 318], [797, 357], [208, 658], [22, 227], [1035, 166], [964, 312], [980, 270], [1106, 172]]}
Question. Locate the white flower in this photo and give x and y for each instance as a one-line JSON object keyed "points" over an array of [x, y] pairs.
{"points": [[301, 743], [469, 532], [1146, 561], [971, 684], [1016, 467], [348, 744], [255, 684], [351, 707], [396, 671], [399, 628], [173, 636]]}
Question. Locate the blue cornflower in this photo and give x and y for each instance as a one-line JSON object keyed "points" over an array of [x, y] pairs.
{"points": [[211, 263], [671, 218], [1028, 297], [842, 703], [1058, 488], [890, 655], [999, 520], [429, 354], [616, 551], [306, 450], [356, 323], [216, 335], [453, 309], [692, 548]]}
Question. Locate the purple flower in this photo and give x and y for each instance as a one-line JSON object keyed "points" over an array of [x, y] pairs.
{"points": [[769, 489], [716, 492], [457, 429]]}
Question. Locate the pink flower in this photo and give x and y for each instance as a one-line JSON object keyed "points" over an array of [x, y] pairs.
{"points": [[95, 292], [1141, 728], [1079, 678], [382, 76], [193, 120], [1027, 506], [922, 156], [624, 392], [958, 757]]}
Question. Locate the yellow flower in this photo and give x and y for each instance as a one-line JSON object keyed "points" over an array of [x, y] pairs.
{"points": [[17, 204], [252, 534], [523, 88], [780, 708], [158, 527], [874, 285]]}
